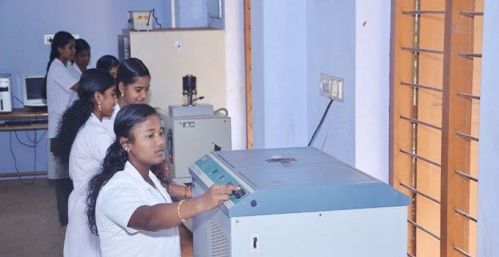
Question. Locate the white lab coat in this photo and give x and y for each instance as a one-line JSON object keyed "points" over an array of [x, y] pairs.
{"points": [[59, 94], [75, 70], [117, 201], [109, 121], [87, 153], [59, 97]]}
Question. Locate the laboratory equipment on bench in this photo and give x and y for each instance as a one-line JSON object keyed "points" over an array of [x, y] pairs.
{"points": [[193, 130], [296, 202], [5, 93], [189, 90], [177, 52], [140, 20]]}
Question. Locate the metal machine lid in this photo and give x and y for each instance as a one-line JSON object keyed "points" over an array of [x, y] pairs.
{"points": [[291, 180]]}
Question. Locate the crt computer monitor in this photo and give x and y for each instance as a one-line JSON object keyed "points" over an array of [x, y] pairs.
{"points": [[34, 91]]}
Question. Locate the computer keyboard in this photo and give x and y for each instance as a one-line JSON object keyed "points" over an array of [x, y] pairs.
{"points": [[25, 121]]}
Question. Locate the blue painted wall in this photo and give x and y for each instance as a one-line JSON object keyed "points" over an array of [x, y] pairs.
{"points": [[22, 26], [216, 12], [191, 13], [258, 72], [488, 206], [372, 91], [292, 43], [279, 73], [331, 49]]}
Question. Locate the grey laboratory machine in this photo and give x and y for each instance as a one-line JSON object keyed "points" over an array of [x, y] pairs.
{"points": [[193, 130], [296, 202]]}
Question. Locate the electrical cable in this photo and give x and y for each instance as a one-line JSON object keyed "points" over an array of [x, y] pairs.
{"points": [[26, 134], [152, 13], [226, 112], [327, 128], [149, 17], [19, 100], [155, 18], [19, 177], [320, 123], [23, 143], [34, 153], [35, 141]]}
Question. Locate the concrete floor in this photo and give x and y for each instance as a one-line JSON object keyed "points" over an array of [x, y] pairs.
{"points": [[29, 225]]}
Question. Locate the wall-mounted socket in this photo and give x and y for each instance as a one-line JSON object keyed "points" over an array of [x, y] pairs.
{"points": [[47, 38], [331, 86]]}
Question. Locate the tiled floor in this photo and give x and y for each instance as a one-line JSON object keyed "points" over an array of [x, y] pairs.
{"points": [[29, 225]]}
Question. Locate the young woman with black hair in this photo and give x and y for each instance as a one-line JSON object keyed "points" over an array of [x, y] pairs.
{"points": [[133, 81], [84, 140], [127, 205], [108, 63], [61, 92], [82, 57], [132, 85]]}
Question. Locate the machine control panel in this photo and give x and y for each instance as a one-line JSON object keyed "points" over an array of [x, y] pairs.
{"points": [[239, 193], [217, 174]]}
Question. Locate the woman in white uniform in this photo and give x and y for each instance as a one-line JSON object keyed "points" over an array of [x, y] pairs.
{"points": [[127, 205], [108, 63], [83, 141], [132, 85], [61, 92], [82, 57]]}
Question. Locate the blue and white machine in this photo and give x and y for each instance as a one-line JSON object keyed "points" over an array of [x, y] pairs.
{"points": [[296, 202]]}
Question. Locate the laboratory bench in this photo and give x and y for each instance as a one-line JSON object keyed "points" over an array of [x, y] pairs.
{"points": [[24, 119]]}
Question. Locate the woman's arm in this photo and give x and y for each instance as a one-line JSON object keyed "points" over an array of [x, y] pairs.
{"points": [[179, 191], [164, 216]]}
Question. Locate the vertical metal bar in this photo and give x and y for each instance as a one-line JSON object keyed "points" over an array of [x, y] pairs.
{"points": [[415, 80], [173, 13]]}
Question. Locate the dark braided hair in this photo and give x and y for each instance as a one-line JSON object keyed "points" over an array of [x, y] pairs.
{"points": [[60, 39], [77, 114], [107, 62], [81, 45], [129, 72], [116, 157]]}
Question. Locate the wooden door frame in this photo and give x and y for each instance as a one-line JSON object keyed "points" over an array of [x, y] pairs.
{"points": [[247, 73]]}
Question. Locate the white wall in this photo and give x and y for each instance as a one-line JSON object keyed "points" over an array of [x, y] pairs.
{"points": [[488, 190], [236, 91]]}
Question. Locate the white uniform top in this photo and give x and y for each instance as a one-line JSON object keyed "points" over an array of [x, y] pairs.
{"points": [[87, 153], [59, 94], [117, 201], [109, 122], [75, 70]]}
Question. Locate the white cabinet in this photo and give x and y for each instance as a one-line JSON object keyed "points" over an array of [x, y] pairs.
{"points": [[173, 53]]}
